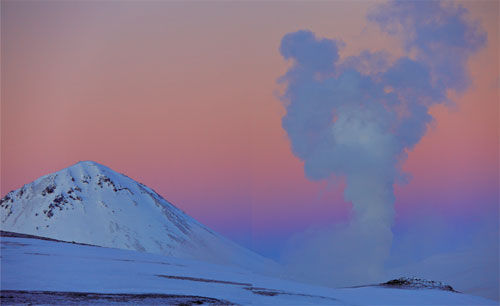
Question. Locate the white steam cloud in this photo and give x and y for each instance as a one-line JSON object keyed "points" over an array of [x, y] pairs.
{"points": [[357, 118]]}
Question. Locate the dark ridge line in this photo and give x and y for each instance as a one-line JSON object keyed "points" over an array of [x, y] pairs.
{"points": [[27, 236], [273, 292], [38, 254], [204, 280], [249, 287]]}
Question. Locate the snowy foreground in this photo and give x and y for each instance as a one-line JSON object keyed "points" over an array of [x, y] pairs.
{"points": [[44, 272]]}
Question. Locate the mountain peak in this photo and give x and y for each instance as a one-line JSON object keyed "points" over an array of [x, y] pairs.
{"points": [[88, 163], [86, 171]]}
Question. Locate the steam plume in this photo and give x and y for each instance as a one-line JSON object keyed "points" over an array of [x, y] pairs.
{"points": [[357, 118]]}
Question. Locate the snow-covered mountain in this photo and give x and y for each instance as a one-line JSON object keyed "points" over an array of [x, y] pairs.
{"points": [[90, 203]]}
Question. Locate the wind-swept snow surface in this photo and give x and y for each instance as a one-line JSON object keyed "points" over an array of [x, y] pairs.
{"points": [[41, 271], [90, 203]]}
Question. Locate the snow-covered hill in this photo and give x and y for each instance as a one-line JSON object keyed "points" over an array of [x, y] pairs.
{"points": [[90, 203], [50, 272]]}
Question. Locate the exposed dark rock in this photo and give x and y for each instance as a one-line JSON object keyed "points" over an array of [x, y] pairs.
{"points": [[417, 283], [7, 199], [49, 189]]}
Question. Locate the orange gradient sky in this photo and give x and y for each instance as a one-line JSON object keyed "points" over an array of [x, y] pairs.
{"points": [[182, 97]]}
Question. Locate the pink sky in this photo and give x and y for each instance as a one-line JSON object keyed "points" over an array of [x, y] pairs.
{"points": [[182, 97]]}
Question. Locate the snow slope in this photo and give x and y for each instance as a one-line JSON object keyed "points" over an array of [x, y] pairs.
{"points": [[90, 203], [35, 265]]}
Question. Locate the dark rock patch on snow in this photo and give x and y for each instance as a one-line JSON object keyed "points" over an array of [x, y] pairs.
{"points": [[49, 189], [417, 283]]}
